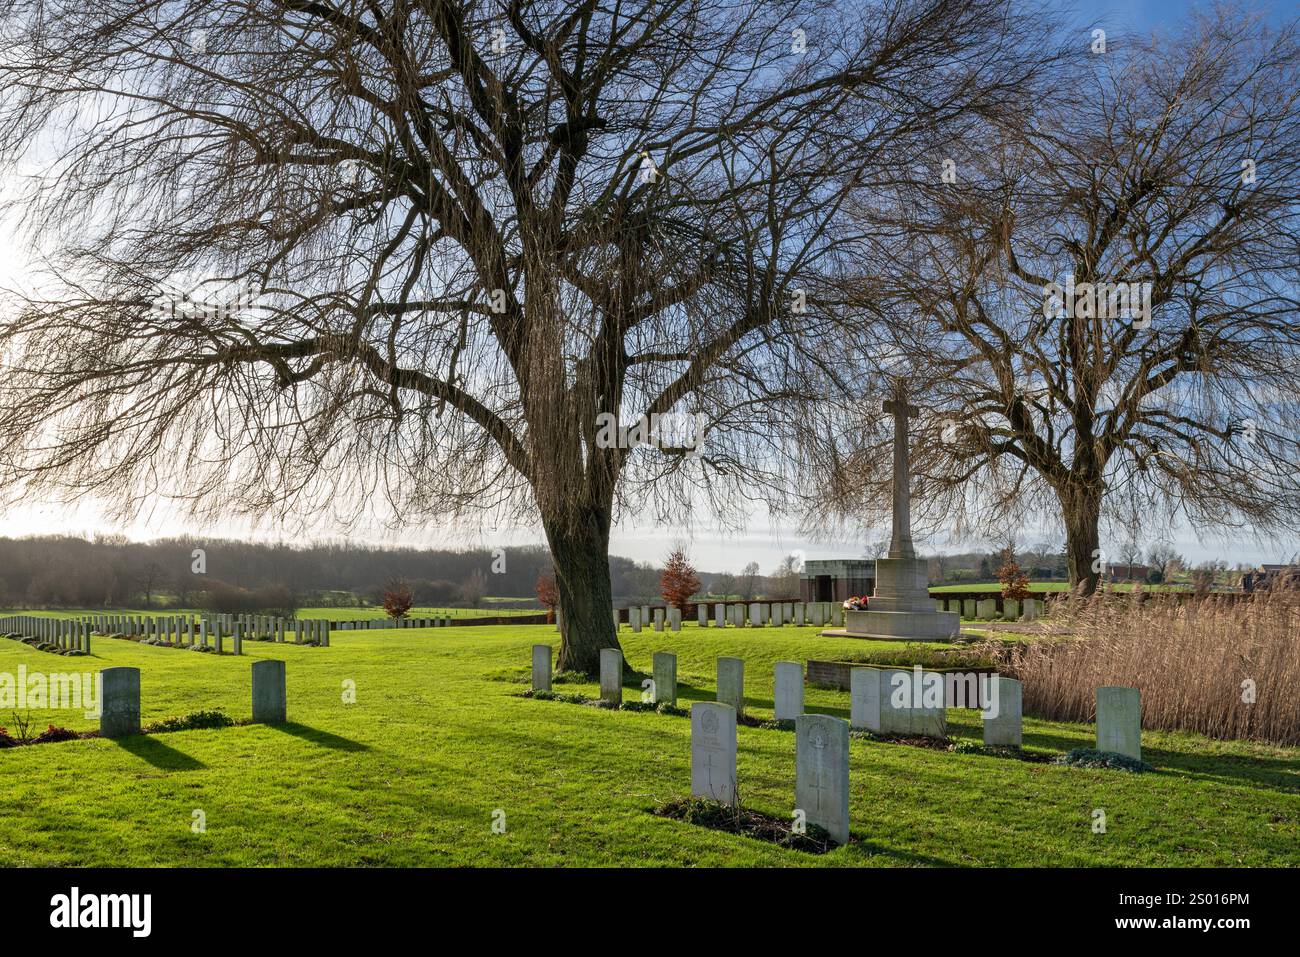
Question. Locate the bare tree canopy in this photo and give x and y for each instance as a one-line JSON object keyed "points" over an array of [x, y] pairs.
{"points": [[440, 244], [1098, 305]]}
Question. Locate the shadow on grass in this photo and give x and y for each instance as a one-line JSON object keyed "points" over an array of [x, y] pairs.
{"points": [[325, 739], [149, 748], [1275, 774]]}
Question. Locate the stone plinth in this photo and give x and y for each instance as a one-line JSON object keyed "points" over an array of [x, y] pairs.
{"points": [[902, 607]]}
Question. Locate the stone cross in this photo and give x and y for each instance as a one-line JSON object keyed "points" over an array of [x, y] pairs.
{"points": [[900, 544]]}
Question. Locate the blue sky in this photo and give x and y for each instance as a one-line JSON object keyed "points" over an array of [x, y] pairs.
{"points": [[766, 541]]}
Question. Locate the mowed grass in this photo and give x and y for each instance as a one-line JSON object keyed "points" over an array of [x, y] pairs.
{"points": [[439, 739]]}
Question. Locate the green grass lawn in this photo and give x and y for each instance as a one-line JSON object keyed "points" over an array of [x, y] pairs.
{"points": [[439, 739]]}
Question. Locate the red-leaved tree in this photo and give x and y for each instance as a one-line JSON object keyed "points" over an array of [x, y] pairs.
{"points": [[398, 599], [679, 581], [547, 593], [1015, 583]]}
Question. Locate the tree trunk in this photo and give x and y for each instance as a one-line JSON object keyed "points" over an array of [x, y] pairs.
{"points": [[1081, 507], [581, 555]]}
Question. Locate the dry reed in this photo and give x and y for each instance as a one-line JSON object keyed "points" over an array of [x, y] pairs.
{"points": [[1198, 663]]}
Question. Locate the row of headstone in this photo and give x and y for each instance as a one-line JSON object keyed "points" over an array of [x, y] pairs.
{"points": [[120, 698], [1012, 610], [822, 741], [821, 765], [739, 615], [70, 634], [365, 624], [179, 630]]}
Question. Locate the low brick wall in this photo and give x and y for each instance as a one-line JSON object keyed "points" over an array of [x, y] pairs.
{"points": [[835, 674]]}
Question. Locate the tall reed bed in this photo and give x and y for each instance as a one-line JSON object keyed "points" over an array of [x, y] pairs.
{"points": [[1227, 669]]}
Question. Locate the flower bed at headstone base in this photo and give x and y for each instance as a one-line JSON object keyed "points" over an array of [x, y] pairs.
{"points": [[735, 819], [195, 720], [46, 646]]}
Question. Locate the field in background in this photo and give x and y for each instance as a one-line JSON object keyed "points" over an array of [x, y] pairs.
{"points": [[439, 739]]}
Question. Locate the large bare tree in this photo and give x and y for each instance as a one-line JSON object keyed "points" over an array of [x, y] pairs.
{"points": [[438, 243], [1097, 304]]}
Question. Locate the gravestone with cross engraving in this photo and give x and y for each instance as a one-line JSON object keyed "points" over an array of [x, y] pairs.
{"points": [[821, 777], [713, 751]]}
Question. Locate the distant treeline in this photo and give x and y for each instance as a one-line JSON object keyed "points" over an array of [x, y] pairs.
{"points": [[110, 571]]}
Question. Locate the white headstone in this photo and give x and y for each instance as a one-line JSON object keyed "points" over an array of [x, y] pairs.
{"points": [[907, 703], [611, 675], [269, 696], [541, 667], [665, 677], [788, 694], [821, 788], [713, 751], [731, 683], [864, 698], [1119, 721], [1004, 727], [119, 702]]}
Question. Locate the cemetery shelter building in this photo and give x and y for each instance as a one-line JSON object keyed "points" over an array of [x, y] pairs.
{"points": [[836, 579]]}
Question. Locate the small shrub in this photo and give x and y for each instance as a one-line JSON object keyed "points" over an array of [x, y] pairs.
{"points": [[194, 721], [1003, 751], [53, 733], [1092, 758], [735, 819]]}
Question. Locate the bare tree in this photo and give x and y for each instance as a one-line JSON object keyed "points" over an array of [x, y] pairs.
{"points": [[1098, 304], [429, 251], [475, 589], [783, 583], [148, 580]]}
